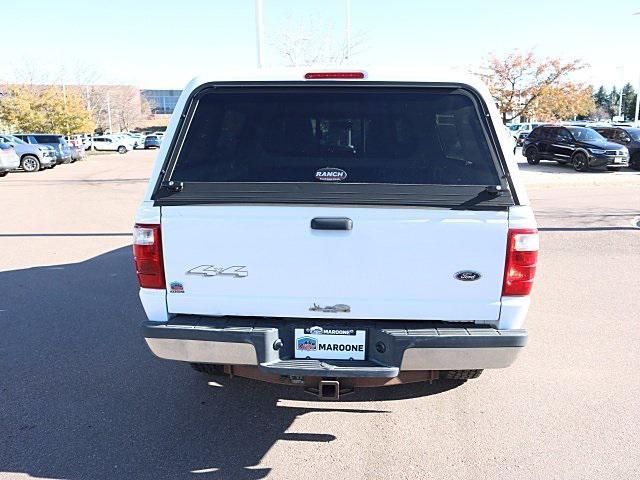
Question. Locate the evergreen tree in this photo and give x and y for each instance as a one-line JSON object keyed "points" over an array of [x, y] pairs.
{"points": [[602, 104], [628, 102], [601, 98]]}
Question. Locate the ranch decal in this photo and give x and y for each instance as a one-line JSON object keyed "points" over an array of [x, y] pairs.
{"points": [[330, 174]]}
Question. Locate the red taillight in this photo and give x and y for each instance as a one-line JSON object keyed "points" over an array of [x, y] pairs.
{"points": [[520, 264], [333, 75], [147, 255]]}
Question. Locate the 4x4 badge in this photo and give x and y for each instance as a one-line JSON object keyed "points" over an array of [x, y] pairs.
{"points": [[213, 271]]}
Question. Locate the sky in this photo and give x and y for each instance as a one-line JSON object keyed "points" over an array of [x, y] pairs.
{"points": [[163, 44]]}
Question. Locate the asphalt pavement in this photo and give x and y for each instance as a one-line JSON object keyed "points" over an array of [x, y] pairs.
{"points": [[81, 397]]}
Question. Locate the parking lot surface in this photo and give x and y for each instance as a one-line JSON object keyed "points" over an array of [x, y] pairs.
{"points": [[81, 397]]}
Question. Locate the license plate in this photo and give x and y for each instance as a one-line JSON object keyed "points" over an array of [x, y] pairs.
{"points": [[330, 343], [617, 160]]}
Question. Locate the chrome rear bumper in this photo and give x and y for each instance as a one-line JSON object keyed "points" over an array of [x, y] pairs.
{"points": [[268, 343]]}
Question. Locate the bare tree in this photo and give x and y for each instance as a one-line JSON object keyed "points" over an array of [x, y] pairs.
{"points": [[29, 74], [118, 107], [313, 42], [129, 108]]}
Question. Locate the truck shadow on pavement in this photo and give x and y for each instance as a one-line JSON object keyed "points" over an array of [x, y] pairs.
{"points": [[82, 397]]}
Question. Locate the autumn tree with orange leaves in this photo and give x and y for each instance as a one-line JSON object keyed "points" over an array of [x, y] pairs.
{"points": [[525, 86], [564, 102]]}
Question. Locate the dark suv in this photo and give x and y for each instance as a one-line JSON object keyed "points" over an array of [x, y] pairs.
{"points": [[627, 136], [582, 147]]}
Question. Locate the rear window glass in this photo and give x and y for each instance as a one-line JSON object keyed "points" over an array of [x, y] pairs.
{"points": [[382, 136]]}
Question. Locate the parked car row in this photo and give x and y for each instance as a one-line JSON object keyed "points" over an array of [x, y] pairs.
{"points": [[33, 152], [121, 142], [32, 157], [583, 147]]}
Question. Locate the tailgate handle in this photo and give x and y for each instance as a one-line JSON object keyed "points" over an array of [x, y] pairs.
{"points": [[331, 223]]}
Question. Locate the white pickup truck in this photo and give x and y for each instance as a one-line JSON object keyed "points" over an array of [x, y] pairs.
{"points": [[336, 229]]}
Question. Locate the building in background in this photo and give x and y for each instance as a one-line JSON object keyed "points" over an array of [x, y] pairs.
{"points": [[161, 101]]}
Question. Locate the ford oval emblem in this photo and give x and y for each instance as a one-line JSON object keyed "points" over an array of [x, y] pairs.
{"points": [[330, 174], [467, 276]]}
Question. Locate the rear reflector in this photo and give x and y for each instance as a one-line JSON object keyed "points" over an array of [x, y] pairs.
{"points": [[520, 265], [147, 256], [334, 75]]}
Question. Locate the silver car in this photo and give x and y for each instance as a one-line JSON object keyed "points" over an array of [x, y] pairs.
{"points": [[8, 159], [32, 157]]}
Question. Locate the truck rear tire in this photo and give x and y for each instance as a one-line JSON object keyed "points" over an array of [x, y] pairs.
{"points": [[208, 368], [460, 374]]}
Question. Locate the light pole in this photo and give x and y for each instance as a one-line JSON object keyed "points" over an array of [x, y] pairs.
{"points": [[621, 88], [109, 112], [348, 29], [259, 33], [635, 117], [620, 105], [64, 97]]}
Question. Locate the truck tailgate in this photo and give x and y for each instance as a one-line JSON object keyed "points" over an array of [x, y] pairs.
{"points": [[395, 262]]}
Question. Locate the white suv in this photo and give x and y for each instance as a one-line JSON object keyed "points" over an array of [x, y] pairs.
{"points": [[110, 144], [335, 230]]}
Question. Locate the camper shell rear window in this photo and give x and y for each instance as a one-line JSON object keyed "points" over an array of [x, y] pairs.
{"points": [[308, 143]]}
